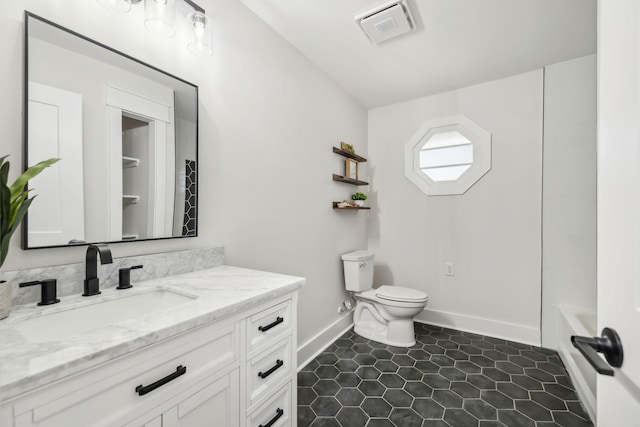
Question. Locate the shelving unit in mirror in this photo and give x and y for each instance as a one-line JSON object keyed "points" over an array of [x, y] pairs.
{"points": [[130, 162]]}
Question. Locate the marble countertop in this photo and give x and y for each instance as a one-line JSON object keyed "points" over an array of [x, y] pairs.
{"points": [[217, 292]]}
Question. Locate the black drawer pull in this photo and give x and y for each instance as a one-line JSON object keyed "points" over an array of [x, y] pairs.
{"points": [[264, 375], [271, 325], [142, 390], [279, 413]]}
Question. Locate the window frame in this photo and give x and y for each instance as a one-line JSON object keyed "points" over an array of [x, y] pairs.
{"points": [[480, 140]]}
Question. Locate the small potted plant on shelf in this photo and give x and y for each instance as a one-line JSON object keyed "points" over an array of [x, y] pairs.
{"points": [[14, 203], [359, 198]]}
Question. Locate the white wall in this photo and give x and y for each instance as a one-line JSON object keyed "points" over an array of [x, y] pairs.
{"points": [[48, 65], [569, 193], [268, 119], [491, 233]]}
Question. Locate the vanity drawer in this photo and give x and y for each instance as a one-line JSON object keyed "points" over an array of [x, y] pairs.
{"points": [[277, 409], [266, 370], [108, 395], [266, 326]]}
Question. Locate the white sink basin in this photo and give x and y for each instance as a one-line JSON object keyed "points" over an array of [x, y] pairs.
{"points": [[96, 315]]}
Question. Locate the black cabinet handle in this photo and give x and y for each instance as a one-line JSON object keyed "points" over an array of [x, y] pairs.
{"points": [[279, 413], [271, 325], [142, 390], [609, 345], [278, 364]]}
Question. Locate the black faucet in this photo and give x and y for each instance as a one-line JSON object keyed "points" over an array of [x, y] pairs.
{"points": [[48, 290], [124, 277], [91, 281]]}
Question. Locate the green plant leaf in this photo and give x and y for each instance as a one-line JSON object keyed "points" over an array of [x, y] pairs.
{"points": [[4, 243], [14, 207], [33, 171], [4, 210], [14, 201], [4, 247]]}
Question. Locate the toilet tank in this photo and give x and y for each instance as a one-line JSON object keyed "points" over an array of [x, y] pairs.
{"points": [[358, 270]]}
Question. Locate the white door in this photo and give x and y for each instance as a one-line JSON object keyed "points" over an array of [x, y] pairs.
{"points": [[55, 130], [618, 396], [159, 159]]}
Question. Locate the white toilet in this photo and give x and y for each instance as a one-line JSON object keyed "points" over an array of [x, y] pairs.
{"points": [[384, 314]]}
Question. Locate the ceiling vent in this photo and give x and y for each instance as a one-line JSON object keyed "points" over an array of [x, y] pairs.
{"points": [[386, 21]]}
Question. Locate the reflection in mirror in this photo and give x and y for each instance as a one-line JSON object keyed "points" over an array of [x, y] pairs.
{"points": [[127, 137]]}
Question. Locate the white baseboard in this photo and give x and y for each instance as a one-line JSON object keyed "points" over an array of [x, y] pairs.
{"points": [[310, 349], [480, 325]]}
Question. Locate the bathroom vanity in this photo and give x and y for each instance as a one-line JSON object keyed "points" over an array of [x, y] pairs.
{"points": [[212, 347]]}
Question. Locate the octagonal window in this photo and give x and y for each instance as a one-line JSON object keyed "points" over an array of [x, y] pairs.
{"points": [[448, 155]]}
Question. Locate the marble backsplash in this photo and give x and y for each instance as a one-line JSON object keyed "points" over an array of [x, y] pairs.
{"points": [[71, 276]]}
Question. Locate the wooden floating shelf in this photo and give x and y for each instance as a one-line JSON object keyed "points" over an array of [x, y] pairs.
{"points": [[352, 181], [349, 155], [353, 208]]}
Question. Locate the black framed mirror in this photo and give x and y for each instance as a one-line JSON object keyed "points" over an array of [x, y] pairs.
{"points": [[127, 136]]}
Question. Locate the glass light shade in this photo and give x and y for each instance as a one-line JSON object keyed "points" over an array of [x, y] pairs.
{"points": [[201, 36], [159, 17], [120, 6]]}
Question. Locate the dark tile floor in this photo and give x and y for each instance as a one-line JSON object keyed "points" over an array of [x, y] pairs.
{"points": [[449, 378]]}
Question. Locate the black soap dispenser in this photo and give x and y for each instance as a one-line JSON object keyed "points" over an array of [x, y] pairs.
{"points": [[124, 279]]}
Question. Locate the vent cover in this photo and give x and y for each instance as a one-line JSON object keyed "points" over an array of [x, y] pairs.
{"points": [[386, 21]]}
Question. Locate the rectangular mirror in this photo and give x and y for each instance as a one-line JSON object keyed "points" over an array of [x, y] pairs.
{"points": [[127, 137]]}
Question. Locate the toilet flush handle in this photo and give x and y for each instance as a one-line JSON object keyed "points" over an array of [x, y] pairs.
{"points": [[363, 264]]}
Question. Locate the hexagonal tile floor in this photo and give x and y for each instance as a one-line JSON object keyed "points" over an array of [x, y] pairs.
{"points": [[449, 378]]}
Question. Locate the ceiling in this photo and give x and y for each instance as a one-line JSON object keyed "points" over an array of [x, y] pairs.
{"points": [[456, 43]]}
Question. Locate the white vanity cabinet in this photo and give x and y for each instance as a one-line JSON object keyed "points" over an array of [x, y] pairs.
{"points": [[238, 371], [212, 401]]}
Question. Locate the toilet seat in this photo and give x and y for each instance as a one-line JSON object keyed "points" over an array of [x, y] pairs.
{"points": [[400, 294], [371, 295]]}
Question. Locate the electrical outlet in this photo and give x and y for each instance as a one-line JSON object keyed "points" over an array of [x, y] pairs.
{"points": [[449, 269]]}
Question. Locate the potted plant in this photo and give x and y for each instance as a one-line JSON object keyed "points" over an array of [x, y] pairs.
{"points": [[359, 198], [14, 203]]}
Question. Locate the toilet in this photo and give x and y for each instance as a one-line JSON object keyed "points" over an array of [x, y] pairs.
{"points": [[384, 314]]}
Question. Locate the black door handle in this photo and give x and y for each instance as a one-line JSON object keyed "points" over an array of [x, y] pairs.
{"points": [[609, 345]]}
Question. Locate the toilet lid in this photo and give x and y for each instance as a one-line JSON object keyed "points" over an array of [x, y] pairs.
{"points": [[398, 293]]}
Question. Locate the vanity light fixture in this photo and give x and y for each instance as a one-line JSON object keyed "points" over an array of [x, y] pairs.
{"points": [[159, 18]]}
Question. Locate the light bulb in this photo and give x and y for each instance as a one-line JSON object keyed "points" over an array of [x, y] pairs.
{"points": [[160, 16], [199, 29], [200, 44]]}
